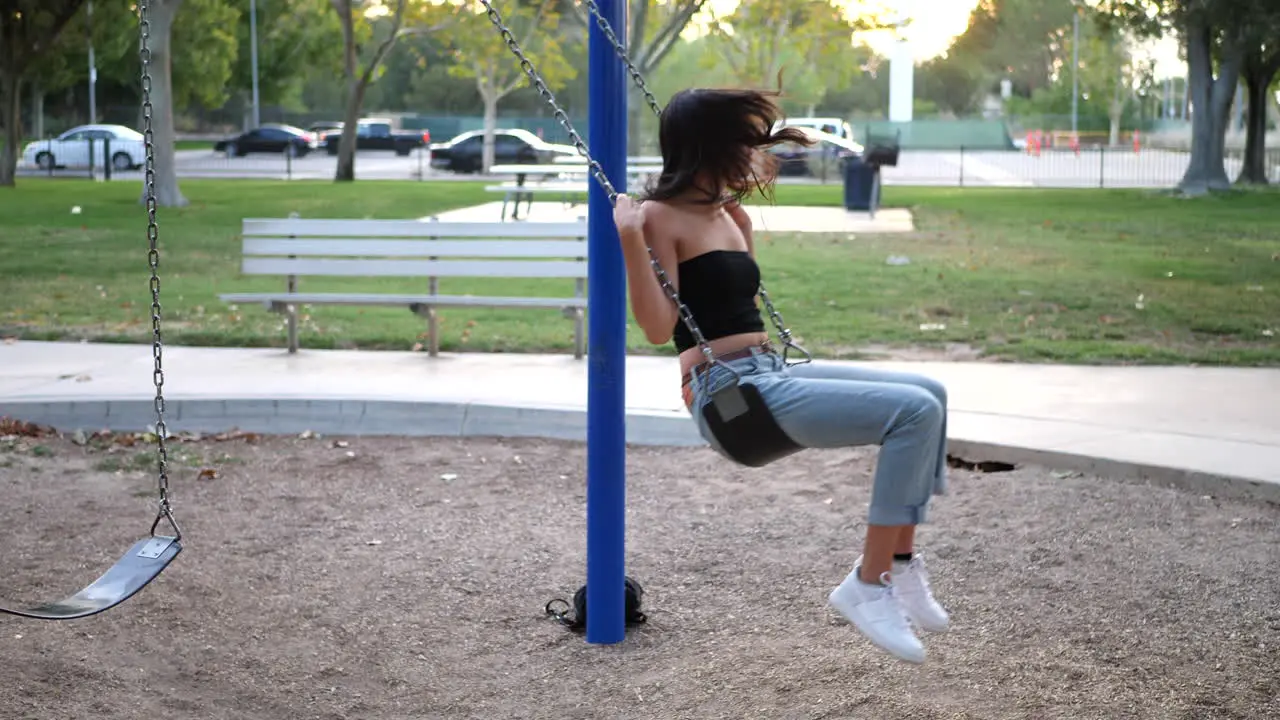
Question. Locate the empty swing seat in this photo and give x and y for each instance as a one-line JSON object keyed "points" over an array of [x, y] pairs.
{"points": [[133, 571]]}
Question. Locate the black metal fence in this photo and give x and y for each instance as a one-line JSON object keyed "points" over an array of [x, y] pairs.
{"points": [[1096, 167]]}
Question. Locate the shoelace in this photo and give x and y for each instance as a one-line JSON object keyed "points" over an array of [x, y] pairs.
{"points": [[917, 569], [893, 596]]}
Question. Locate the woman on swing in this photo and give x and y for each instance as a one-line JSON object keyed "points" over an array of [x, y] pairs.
{"points": [[713, 149]]}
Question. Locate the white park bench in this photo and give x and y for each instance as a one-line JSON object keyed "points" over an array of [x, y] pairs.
{"points": [[429, 249]]}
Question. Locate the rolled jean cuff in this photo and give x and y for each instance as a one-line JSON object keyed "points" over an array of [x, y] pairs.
{"points": [[890, 515]]}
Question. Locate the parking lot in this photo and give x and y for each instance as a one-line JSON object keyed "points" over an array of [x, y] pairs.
{"points": [[1109, 168]]}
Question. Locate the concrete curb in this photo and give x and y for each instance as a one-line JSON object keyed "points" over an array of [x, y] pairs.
{"points": [[291, 416], [1202, 483]]}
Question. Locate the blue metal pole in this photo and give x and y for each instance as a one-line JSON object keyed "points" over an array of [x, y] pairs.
{"points": [[606, 344]]}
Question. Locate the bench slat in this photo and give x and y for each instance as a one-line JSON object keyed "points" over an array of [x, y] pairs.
{"points": [[356, 247], [403, 300], [415, 268], [423, 229], [580, 187]]}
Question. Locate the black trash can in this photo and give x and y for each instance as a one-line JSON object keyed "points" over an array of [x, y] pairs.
{"points": [[861, 189]]}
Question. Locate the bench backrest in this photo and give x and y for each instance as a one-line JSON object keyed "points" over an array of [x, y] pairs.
{"points": [[414, 248]]}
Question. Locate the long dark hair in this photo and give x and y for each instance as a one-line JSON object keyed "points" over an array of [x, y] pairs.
{"points": [[708, 135]]}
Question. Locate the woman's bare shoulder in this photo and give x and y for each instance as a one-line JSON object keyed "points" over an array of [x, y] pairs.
{"points": [[662, 226], [658, 215]]}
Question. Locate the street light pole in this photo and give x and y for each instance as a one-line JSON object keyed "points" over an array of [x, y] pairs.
{"points": [[253, 58], [93, 66], [1075, 71]]}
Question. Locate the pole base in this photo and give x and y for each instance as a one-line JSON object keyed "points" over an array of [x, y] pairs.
{"points": [[559, 609]]}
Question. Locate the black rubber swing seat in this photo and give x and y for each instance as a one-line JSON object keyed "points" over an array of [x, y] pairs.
{"points": [[133, 571], [742, 423]]}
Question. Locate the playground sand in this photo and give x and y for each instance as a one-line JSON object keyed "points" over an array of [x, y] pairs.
{"points": [[374, 579]]}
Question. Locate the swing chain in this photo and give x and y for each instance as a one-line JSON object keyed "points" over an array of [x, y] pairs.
{"points": [[784, 334], [165, 511], [621, 49], [560, 115], [597, 172]]}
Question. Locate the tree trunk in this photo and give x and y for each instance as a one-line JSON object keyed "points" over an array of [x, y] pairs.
{"points": [[162, 13], [346, 171], [1116, 110], [636, 114], [357, 82], [37, 110], [1211, 104], [1258, 73], [490, 99], [11, 101]]}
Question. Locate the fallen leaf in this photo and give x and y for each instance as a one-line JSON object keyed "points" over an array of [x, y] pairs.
{"points": [[207, 474], [9, 426]]}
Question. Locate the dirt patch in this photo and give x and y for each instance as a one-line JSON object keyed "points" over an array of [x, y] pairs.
{"points": [[396, 578]]}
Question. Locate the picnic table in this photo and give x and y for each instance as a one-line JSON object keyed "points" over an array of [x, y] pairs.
{"points": [[570, 181]]}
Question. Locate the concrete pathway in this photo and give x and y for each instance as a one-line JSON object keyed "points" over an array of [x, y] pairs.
{"points": [[764, 218], [1216, 430]]}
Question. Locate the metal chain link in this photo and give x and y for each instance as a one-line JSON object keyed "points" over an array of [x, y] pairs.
{"points": [[597, 172], [784, 334], [165, 510], [621, 49]]}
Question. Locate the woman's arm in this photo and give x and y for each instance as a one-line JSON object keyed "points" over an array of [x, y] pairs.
{"points": [[650, 303]]}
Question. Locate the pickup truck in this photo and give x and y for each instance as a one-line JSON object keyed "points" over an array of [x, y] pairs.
{"points": [[373, 135]]}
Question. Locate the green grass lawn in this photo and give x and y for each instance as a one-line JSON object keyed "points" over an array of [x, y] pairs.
{"points": [[1053, 275]]}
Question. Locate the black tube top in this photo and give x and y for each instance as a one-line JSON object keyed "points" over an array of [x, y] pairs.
{"points": [[719, 288]]}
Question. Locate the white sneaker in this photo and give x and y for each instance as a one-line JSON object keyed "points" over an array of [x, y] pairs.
{"points": [[911, 583], [877, 613]]}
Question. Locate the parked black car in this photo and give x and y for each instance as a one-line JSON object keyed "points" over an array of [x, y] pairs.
{"points": [[462, 154], [378, 135], [269, 139]]}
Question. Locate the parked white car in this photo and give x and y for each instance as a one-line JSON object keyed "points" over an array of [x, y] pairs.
{"points": [[71, 148]]}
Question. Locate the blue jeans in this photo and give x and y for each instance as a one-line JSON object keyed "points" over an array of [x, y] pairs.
{"points": [[822, 405]]}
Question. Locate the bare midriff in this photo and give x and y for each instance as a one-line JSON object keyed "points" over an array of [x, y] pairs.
{"points": [[693, 357]]}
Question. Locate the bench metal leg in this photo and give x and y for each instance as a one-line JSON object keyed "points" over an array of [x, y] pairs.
{"points": [[433, 332], [579, 339], [291, 317], [291, 313], [875, 193]]}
